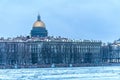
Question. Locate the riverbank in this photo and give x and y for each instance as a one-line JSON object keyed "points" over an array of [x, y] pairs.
{"points": [[56, 65]]}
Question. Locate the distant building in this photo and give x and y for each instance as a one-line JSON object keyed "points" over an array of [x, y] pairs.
{"points": [[111, 52], [41, 49], [114, 52]]}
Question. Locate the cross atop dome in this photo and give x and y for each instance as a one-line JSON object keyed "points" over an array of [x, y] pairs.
{"points": [[38, 17]]}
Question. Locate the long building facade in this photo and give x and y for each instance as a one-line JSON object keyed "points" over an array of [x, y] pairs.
{"points": [[42, 52]]}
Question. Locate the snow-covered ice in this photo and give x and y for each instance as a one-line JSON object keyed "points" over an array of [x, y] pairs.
{"points": [[72, 73]]}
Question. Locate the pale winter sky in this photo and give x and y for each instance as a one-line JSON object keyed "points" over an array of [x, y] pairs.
{"points": [[75, 19]]}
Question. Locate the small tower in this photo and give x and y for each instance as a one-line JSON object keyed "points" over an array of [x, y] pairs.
{"points": [[39, 29]]}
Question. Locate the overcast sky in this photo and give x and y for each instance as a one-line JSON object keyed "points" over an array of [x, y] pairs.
{"points": [[75, 19]]}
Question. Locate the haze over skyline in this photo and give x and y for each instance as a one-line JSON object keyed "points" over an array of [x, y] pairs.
{"points": [[75, 19]]}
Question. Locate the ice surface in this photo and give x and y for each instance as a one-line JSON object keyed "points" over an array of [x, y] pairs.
{"points": [[72, 73]]}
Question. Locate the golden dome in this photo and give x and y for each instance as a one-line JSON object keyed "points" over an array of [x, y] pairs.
{"points": [[39, 23]]}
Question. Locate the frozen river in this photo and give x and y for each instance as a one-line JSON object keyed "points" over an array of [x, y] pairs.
{"points": [[75, 73]]}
